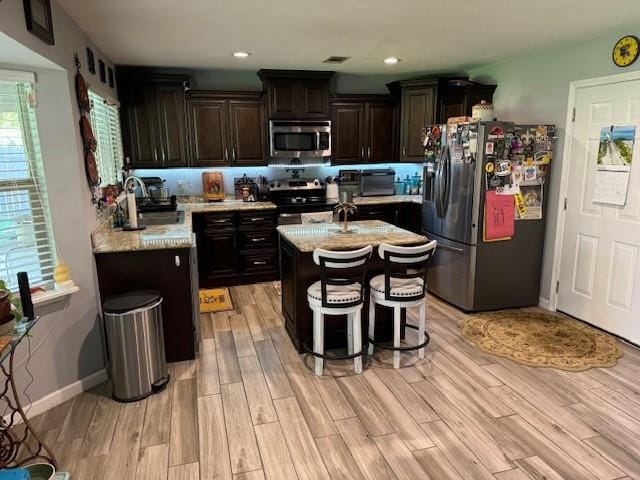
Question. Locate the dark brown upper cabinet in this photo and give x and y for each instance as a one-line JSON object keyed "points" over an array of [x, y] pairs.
{"points": [[153, 120], [433, 100], [297, 94], [417, 109], [227, 128], [456, 97], [364, 129]]}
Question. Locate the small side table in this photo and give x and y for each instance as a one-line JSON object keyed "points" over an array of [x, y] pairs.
{"points": [[24, 447]]}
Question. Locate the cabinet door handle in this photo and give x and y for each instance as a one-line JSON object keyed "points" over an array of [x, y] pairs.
{"points": [[368, 152], [220, 220], [155, 154], [177, 260], [404, 151], [226, 154], [362, 152], [258, 239], [233, 154], [262, 262], [256, 219]]}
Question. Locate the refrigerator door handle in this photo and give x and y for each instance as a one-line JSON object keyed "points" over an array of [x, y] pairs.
{"points": [[437, 189], [441, 186], [446, 180]]}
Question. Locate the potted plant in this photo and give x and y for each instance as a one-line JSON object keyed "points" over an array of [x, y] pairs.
{"points": [[10, 309]]}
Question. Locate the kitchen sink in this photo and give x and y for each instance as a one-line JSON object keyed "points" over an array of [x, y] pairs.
{"points": [[162, 218]]}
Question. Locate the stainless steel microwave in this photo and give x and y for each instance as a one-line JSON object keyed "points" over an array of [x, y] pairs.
{"points": [[299, 139]]}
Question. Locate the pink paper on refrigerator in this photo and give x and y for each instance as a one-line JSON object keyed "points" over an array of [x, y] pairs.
{"points": [[499, 216]]}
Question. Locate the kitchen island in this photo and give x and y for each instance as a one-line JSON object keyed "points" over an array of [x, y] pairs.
{"points": [[298, 271]]}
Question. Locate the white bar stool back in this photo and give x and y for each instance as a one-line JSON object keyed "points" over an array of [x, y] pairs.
{"points": [[402, 285], [336, 294]]}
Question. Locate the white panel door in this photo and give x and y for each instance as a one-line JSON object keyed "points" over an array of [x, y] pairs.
{"points": [[600, 263]]}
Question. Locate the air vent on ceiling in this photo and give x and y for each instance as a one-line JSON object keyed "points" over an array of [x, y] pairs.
{"points": [[336, 59]]}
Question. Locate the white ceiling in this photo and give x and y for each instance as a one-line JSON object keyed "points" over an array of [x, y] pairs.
{"points": [[428, 35]]}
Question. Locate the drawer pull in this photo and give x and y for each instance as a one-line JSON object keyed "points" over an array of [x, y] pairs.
{"points": [[261, 262], [220, 220], [258, 239], [256, 219]]}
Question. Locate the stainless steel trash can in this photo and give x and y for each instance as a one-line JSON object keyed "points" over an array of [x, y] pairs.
{"points": [[135, 341]]}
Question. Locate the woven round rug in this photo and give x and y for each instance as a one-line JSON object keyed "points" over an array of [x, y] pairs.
{"points": [[542, 340]]}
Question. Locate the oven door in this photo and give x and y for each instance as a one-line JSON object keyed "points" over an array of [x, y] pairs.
{"points": [[300, 139], [289, 218], [292, 214]]}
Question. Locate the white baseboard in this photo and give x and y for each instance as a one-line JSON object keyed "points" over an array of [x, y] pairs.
{"points": [[544, 303], [60, 396]]}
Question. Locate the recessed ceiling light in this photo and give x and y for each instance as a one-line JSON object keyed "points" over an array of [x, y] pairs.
{"points": [[241, 54], [391, 60]]}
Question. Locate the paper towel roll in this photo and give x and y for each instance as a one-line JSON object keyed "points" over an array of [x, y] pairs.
{"points": [[133, 211]]}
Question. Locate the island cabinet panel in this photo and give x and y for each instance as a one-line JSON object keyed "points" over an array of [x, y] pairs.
{"points": [[168, 271], [364, 129], [236, 248], [298, 271]]}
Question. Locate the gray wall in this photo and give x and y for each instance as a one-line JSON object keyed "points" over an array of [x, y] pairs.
{"points": [[67, 343], [535, 88]]}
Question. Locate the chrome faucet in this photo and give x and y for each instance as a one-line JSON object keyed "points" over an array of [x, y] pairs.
{"points": [[143, 187]]}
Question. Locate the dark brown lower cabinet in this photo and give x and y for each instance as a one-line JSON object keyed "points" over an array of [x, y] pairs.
{"points": [[236, 248], [168, 271]]}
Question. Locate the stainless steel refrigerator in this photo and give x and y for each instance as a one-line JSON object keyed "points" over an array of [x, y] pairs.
{"points": [[462, 163]]}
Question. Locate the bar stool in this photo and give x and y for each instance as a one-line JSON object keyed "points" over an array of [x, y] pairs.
{"points": [[401, 289], [338, 296]]}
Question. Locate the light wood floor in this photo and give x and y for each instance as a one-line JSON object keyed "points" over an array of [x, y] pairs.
{"points": [[249, 408]]}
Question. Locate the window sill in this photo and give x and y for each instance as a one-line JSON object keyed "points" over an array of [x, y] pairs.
{"points": [[41, 299]]}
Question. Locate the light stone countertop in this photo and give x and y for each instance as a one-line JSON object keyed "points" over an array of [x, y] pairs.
{"points": [[158, 237], [306, 238], [388, 199]]}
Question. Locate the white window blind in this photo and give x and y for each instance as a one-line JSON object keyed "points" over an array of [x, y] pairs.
{"points": [[105, 122], [26, 241]]}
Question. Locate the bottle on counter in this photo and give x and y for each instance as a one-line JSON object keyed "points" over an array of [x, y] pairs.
{"points": [[399, 186], [415, 184], [407, 185]]}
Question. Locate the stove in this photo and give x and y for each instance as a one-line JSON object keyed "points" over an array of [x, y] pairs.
{"points": [[294, 196]]}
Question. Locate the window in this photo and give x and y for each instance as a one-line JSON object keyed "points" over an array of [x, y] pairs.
{"points": [[105, 122], [26, 241]]}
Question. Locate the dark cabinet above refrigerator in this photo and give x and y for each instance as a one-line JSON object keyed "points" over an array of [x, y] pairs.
{"points": [[433, 100]]}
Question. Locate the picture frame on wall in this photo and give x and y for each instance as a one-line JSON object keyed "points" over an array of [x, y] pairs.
{"points": [[39, 21], [91, 61], [102, 71]]}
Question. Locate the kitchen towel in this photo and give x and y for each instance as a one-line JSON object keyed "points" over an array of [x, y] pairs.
{"points": [[316, 217]]}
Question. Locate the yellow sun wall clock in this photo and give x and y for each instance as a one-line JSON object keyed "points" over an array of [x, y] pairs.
{"points": [[626, 51]]}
